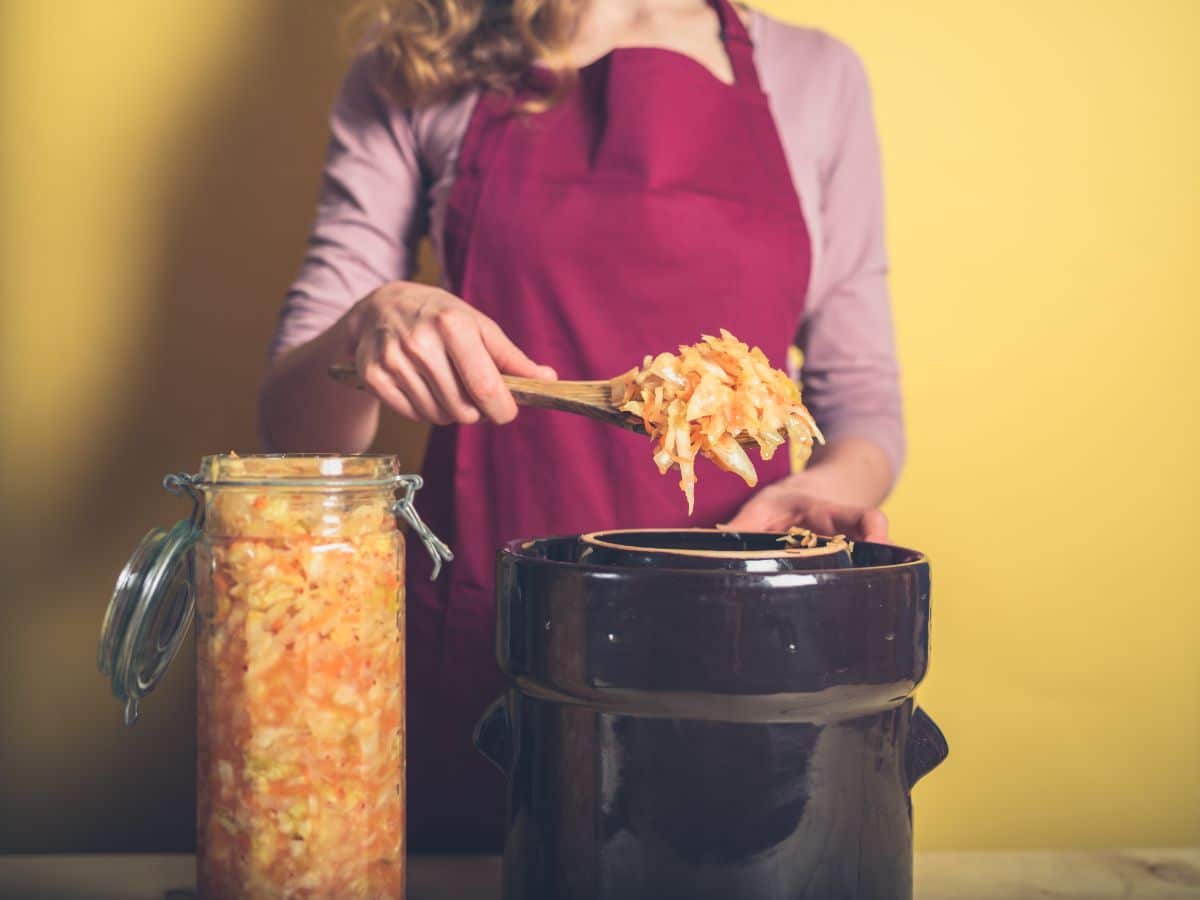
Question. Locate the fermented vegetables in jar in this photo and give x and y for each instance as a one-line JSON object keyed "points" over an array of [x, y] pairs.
{"points": [[296, 574]]}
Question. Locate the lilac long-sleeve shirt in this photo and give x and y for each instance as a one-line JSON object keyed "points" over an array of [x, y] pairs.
{"points": [[389, 173]]}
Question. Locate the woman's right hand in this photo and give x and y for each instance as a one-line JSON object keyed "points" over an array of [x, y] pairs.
{"points": [[432, 357]]}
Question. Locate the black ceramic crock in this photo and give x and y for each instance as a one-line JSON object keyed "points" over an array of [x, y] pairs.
{"points": [[707, 716]]}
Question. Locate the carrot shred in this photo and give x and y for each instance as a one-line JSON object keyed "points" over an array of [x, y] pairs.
{"points": [[700, 401]]}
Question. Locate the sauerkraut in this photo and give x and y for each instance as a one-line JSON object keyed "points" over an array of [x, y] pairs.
{"points": [[710, 399], [300, 695], [800, 538]]}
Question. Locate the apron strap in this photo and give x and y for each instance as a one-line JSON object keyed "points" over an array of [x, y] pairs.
{"points": [[737, 44]]}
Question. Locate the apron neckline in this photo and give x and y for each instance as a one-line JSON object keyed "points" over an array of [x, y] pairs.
{"points": [[735, 41]]}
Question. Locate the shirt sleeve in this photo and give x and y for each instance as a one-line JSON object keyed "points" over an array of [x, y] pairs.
{"points": [[370, 213], [851, 377]]}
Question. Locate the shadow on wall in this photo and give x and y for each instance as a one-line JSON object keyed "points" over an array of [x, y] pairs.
{"points": [[241, 200]]}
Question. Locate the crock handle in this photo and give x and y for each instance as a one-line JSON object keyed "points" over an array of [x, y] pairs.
{"points": [[492, 736], [926, 747]]}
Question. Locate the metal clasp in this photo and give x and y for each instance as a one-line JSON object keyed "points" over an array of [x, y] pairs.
{"points": [[403, 508], [181, 483]]}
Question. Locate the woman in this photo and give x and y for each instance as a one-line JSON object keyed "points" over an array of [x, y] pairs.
{"points": [[601, 181]]}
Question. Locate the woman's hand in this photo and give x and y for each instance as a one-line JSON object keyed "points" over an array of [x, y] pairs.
{"points": [[789, 502], [433, 357]]}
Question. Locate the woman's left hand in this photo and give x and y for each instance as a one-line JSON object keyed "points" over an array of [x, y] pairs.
{"points": [[789, 502]]}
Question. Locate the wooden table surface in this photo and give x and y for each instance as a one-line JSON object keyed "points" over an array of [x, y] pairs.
{"points": [[1100, 875]]}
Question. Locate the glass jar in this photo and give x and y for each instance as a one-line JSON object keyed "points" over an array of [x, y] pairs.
{"points": [[294, 565]]}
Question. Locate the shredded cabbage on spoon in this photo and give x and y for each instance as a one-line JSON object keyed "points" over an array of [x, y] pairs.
{"points": [[700, 401]]}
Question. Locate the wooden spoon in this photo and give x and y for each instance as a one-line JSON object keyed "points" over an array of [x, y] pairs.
{"points": [[584, 398]]}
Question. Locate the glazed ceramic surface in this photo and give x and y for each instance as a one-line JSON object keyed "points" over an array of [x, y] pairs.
{"points": [[710, 724]]}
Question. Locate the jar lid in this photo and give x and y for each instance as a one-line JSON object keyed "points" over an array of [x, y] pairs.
{"points": [[149, 615]]}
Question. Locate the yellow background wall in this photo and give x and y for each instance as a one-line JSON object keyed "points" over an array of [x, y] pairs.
{"points": [[158, 168]]}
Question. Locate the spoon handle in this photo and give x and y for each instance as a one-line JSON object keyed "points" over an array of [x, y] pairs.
{"points": [[526, 391], [590, 398]]}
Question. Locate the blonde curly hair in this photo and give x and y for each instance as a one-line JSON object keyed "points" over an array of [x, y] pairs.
{"points": [[433, 50]]}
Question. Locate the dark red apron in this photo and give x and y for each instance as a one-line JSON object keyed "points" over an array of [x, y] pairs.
{"points": [[651, 205]]}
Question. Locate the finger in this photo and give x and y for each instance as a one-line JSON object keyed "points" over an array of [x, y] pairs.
{"points": [[747, 519], [819, 518], [508, 357], [425, 353], [857, 523], [408, 379], [415, 387], [477, 369], [760, 513], [874, 526], [381, 382]]}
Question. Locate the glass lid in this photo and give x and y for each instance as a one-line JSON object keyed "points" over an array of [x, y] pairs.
{"points": [[149, 614]]}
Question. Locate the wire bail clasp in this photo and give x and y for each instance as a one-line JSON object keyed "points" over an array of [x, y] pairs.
{"points": [[404, 509], [180, 483]]}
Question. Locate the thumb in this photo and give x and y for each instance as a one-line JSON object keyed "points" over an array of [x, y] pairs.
{"points": [[509, 358], [755, 515]]}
